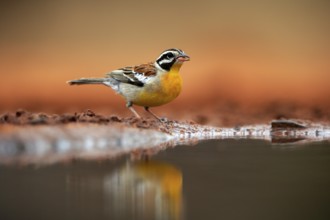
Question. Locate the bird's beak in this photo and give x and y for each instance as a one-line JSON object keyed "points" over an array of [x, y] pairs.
{"points": [[183, 58]]}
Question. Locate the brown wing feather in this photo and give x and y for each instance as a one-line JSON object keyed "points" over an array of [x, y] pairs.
{"points": [[136, 75], [147, 69]]}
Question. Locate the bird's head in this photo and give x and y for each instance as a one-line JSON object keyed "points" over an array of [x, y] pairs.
{"points": [[170, 57]]}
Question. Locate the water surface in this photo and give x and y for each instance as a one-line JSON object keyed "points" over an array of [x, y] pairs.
{"points": [[218, 179]]}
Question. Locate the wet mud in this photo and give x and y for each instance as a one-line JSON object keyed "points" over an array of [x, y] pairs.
{"points": [[27, 137]]}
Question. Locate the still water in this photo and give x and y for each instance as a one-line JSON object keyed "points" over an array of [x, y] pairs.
{"points": [[218, 179]]}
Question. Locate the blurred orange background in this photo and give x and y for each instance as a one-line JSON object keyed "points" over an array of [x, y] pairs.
{"points": [[250, 53]]}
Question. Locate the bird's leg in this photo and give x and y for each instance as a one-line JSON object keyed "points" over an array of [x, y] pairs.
{"points": [[148, 110], [129, 105]]}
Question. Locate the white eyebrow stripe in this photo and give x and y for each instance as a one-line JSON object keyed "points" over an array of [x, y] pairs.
{"points": [[165, 61]]}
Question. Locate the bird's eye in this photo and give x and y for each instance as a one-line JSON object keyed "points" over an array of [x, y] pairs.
{"points": [[170, 55]]}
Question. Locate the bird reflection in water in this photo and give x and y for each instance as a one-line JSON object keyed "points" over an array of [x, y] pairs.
{"points": [[143, 189], [146, 189]]}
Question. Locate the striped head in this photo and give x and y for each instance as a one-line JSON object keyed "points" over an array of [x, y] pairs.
{"points": [[171, 56]]}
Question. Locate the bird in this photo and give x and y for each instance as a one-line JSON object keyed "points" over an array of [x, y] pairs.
{"points": [[149, 84]]}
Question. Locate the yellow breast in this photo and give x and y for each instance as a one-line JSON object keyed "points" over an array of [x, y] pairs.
{"points": [[167, 89]]}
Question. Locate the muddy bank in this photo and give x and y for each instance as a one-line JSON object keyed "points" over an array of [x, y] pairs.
{"points": [[27, 137], [23, 117], [277, 128]]}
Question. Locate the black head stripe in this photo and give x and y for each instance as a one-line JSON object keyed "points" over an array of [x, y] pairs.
{"points": [[166, 66], [166, 60]]}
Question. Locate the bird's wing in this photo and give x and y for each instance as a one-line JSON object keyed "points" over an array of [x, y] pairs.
{"points": [[136, 75]]}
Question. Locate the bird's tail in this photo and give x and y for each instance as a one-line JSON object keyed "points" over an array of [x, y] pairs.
{"points": [[83, 81]]}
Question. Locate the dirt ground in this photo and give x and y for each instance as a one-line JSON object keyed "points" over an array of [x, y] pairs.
{"points": [[228, 115], [23, 117], [27, 137]]}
